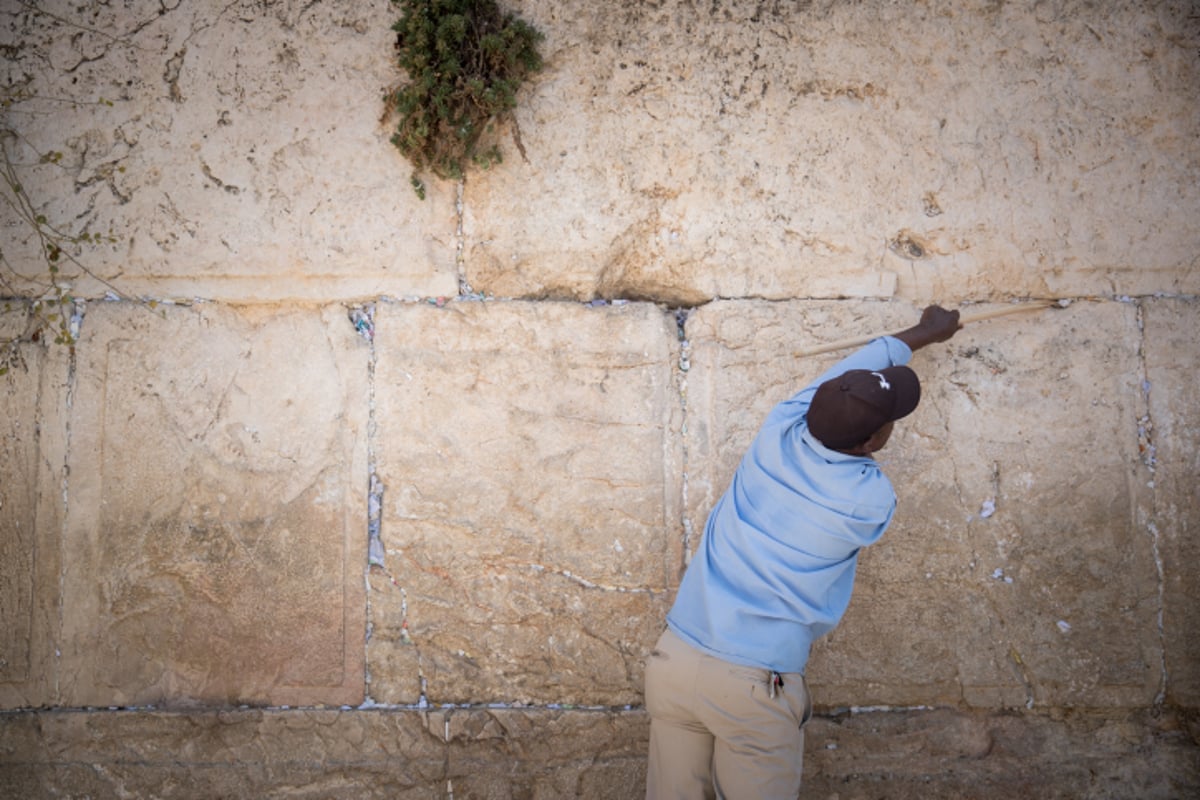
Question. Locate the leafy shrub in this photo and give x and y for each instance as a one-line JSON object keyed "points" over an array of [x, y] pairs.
{"points": [[465, 61]]}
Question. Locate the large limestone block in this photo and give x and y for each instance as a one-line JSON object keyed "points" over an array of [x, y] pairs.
{"points": [[530, 455], [598, 755], [545, 752], [688, 151], [228, 754], [409, 755], [215, 533], [33, 395], [1018, 570], [220, 150], [1172, 442], [927, 754]]}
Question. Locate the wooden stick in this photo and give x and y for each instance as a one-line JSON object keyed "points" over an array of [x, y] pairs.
{"points": [[964, 319]]}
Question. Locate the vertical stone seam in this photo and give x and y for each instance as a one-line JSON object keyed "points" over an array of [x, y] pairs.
{"points": [[682, 367], [78, 311], [460, 261], [1146, 448], [39, 425], [364, 322], [446, 765], [374, 494]]}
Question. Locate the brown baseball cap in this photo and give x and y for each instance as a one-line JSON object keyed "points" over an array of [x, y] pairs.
{"points": [[848, 409]]}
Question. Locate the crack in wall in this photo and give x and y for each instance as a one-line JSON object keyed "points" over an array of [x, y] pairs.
{"points": [[363, 320], [78, 311], [460, 266], [682, 369], [1021, 671], [579, 580], [1147, 452]]}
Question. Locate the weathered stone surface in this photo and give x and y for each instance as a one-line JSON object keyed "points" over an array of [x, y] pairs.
{"points": [[214, 538], [233, 754], [1172, 442], [370, 754], [183, 498], [511, 753], [1016, 571], [687, 151], [946, 754], [32, 451], [528, 753], [227, 151], [530, 455]]}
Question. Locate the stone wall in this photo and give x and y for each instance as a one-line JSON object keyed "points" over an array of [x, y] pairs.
{"points": [[340, 491]]}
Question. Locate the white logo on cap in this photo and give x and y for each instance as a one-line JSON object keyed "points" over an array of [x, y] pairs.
{"points": [[883, 384]]}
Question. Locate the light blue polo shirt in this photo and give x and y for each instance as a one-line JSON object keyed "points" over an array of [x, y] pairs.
{"points": [[775, 567]]}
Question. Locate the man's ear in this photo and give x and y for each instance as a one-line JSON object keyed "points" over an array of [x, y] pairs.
{"points": [[873, 445]]}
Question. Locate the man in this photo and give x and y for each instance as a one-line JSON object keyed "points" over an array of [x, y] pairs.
{"points": [[725, 684]]}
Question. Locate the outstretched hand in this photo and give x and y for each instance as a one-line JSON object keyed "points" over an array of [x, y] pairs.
{"points": [[936, 325], [940, 323]]}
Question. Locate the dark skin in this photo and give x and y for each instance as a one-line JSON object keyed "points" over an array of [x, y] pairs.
{"points": [[936, 325]]}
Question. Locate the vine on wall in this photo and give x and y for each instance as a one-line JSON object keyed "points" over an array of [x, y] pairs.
{"points": [[46, 280]]}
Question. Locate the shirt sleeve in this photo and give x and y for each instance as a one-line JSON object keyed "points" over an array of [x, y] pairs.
{"points": [[886, 351]]}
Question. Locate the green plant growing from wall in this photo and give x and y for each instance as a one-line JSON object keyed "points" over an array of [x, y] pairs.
{"points": [[465, 61]]}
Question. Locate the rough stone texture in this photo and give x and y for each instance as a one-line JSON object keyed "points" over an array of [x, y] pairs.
{"points": [[229, 151], [531, 460], [184, 494], [1029, 545], [523, 753], [945, 754], [1022, 494], [495, 753], [32, 451], [688, 150], [213, 547], [1171, 438]]}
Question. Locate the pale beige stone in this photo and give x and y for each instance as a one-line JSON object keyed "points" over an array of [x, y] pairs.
{"points": [[229, 754], [228, 152], [499, 753], [183, 504], [542, 753], [917, 755], [18, 516], [1171, 442], [214, 541], [33, 394], [689, 151], [546, 753], [1016, 571], [530, 454]]}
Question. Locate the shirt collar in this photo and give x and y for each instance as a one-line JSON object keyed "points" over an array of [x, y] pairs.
{"points": [[826, 453]]}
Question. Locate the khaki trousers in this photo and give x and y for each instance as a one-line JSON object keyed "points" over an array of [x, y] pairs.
{"points": [[720, 730]]}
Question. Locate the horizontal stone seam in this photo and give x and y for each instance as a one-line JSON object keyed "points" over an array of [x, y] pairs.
{"points": [[467, 294]]}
